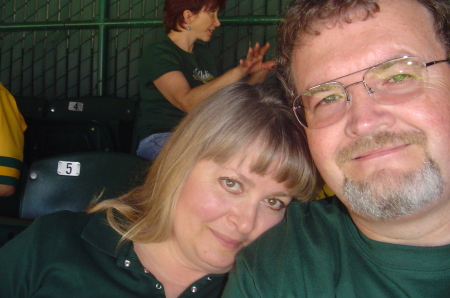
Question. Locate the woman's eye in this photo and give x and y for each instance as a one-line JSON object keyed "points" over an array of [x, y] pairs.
{"points": [[275, 203], [231, 184]]}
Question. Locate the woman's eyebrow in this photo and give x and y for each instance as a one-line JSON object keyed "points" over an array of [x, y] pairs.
{"points": [[252, 184], [244, 178], [281, 194]]}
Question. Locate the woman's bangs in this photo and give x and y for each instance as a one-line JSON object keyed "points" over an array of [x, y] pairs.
{"points": [[280, 158]]}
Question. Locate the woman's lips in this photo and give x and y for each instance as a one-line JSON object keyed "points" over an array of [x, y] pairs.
{"points": [[227, 241]]}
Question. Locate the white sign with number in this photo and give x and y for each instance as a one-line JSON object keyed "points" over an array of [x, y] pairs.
{"points": [[69, 168], [75, 106]]}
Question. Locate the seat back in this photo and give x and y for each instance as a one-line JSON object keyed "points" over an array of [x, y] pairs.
{"points": [[30, 107], [32, 110], [116, 113], [48, 137], [71, 181]]}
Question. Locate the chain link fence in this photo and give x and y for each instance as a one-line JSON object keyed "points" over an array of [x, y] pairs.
{"points": [[57, 49]]}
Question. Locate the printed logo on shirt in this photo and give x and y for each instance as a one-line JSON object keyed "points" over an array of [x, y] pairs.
{"points": [[202, 75]]}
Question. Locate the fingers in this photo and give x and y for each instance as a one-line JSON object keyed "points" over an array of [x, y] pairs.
{"points": [[250, 53], [257, 51], [254, 60], [269, 65], [264, 49]]}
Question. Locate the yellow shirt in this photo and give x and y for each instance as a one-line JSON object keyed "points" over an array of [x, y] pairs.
{"points": [[12, 126], [325, 192]]}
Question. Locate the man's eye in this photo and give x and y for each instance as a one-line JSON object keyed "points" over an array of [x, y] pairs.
{"points": [[231, 184], [400, 78], [275, 203], [326, 101], [331, 98]]}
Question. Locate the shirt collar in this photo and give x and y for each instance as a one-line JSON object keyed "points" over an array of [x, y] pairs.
{"points": [[99, 234]]}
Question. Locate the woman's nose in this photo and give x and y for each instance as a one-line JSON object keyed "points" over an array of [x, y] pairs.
{"points": [[243, 216]]}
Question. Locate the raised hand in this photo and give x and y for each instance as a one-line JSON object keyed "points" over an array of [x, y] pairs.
{"points": [[255, 60]]}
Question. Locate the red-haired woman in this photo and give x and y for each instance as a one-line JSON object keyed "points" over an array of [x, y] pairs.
{"points": [[176, 73]]}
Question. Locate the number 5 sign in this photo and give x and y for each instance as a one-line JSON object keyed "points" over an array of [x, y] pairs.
{"points": [[69, 168]]}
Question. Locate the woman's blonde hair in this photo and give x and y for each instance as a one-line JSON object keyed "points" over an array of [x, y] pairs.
{"points": [[223, 125]]}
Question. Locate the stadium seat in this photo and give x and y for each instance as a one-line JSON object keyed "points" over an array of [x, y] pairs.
{"points": [[48, 137], [117, 114], [71, 181]]}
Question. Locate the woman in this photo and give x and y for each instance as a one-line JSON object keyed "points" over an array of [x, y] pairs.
{"points": [[226, 175], [174, 70]]}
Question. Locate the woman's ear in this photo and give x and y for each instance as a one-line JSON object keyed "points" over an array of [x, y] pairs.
{"points": [[187, 16]]}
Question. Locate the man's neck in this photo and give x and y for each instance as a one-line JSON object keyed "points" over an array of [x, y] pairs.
{"points": [[430, 227]]}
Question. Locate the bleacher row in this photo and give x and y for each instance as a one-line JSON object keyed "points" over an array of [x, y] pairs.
{"points": [[77, 125], [75, 149]]}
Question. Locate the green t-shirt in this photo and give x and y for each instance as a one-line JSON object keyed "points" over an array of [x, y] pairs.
{"points": [[157, 114], [69, 254], [317, 251]]}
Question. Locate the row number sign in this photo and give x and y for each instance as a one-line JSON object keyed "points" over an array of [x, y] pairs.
{"points": [[69, 168]]}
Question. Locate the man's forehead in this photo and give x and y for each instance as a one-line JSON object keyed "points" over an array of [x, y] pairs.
{"points": [[343, 48]]}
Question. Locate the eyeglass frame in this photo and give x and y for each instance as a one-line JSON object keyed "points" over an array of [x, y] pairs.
{"points": [[348, 97]]}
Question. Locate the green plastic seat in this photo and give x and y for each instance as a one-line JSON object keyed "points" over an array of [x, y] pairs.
{"points": [[117, 114], [71, 181]]}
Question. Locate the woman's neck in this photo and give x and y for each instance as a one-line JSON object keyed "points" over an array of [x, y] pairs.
{"points": [[183, 40], [165, 264]]}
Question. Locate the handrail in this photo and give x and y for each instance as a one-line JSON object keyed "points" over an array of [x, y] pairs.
{"points": [[127, 23]]}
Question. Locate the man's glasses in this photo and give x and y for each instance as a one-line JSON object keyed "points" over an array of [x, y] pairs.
{"points": [[391, 82]]}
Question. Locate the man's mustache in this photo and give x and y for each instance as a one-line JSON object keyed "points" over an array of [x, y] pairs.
{"points": [[379, 140]]}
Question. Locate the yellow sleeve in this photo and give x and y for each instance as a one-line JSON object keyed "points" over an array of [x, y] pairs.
{"points": [[12, 126]]}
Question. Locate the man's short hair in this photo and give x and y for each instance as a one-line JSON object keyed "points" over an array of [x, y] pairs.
{"points": [[304, 17]]}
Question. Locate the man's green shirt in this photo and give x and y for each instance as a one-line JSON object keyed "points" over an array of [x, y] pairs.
{"points": [[317, 251]]}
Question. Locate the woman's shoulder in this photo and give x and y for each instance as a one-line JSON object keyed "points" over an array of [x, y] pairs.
{"points": [[64, 217], [161, 44], [48, 232], [61, 223], [163, 49], [201, 47]]}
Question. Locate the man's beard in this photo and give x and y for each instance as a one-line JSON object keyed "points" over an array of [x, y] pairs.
{"points": [[389, 195], [386, 196]]}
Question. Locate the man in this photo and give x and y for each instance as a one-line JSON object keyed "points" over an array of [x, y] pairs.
{"points": [[12, 126], [370, 81]]}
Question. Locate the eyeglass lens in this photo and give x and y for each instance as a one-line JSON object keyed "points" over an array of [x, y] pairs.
{"points": [[392, 82]]}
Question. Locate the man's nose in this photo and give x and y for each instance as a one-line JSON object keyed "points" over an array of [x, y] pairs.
{"points": [[365, 116]]}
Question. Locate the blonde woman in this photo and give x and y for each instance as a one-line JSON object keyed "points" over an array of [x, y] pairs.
{"points": [[226, 176]]}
